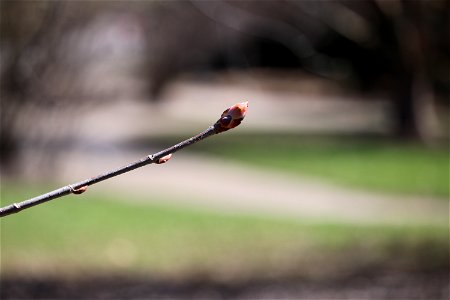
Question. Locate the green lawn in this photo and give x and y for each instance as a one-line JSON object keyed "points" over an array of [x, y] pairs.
{"points": [[377, 165], [97, 234]]}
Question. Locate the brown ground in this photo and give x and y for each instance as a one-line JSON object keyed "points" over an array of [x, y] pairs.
{"points": [[401, 286]]}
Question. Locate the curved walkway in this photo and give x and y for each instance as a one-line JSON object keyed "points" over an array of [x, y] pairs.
{"points": [[227, 186]]}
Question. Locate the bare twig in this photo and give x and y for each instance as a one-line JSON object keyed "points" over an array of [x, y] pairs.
{"points": [[229, 119]]}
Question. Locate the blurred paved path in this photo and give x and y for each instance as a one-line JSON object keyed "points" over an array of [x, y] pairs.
{"points": [[226, 186], [189, 107], [215, 184]]}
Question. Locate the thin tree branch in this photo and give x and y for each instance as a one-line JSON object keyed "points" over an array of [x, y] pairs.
{"points": [[229, 119]]}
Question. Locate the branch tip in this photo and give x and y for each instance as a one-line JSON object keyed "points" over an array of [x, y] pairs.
{"points": [[231, 117]]}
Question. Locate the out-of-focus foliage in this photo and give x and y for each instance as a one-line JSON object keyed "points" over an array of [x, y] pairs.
{"points": [[58, 55]]}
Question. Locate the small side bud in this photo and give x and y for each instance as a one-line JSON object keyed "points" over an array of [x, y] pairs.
{"points": [[80, 190], [164, 159]]}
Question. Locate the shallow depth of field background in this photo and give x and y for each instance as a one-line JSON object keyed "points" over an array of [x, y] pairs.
{"points": [[335, 185]]}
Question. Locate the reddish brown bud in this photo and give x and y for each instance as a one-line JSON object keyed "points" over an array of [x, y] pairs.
{"points": [[232, 117], [80, 190], [164, 159]]}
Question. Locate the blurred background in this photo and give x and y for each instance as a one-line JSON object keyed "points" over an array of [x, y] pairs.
{"points": [[336, 184]]}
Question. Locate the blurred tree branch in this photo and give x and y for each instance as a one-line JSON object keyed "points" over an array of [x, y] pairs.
{"points": [[400, 48]]}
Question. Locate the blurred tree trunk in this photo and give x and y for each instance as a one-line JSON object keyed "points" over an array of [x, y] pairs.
{"points": [[27, 29], [406, 126], [419, 30]]}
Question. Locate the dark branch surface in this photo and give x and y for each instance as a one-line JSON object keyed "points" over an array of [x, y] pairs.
{"points": [[79, 187]]}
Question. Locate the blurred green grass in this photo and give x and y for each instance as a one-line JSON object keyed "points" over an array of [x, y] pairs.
{"points": [[373, 164], [100, 233]]}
